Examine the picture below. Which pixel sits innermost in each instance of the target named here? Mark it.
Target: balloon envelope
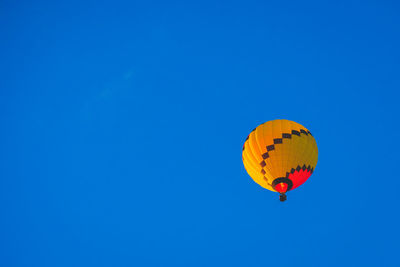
(280, 155)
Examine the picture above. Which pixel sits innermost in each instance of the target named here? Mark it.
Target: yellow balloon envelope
(280, 155)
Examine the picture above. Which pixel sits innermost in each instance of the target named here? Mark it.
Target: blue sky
(123, 124)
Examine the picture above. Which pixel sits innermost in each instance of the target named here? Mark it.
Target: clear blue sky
(123, 124)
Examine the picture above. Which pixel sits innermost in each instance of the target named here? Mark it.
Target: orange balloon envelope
(280, 155)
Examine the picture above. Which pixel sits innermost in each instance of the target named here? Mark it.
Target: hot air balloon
(280, 155)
